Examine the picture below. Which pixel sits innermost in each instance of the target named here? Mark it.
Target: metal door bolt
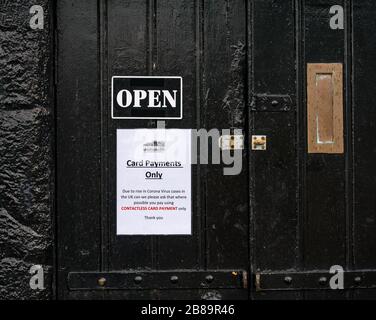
(102, 282)
(231, 142)
(259, 143)
(174, 279)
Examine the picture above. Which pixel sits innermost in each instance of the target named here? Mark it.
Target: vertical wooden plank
(128, 48)
(78, 140)
(325, 212)
(224, 92)
(364, 78)
(273, 172)
(349, 136)
(176, 55)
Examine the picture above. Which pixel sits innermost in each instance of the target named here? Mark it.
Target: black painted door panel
(101, 39)
(311, 211)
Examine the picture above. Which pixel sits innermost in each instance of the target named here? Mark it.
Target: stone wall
(26, 150)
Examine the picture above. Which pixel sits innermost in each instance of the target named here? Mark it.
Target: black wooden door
(312, 209)
(205, 44)
(272, 231)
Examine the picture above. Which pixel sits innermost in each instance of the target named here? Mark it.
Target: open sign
(147, 97)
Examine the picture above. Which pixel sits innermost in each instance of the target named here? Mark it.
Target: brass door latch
(231, 142)
(259, 143)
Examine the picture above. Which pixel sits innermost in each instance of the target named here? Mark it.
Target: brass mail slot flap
(325, 107)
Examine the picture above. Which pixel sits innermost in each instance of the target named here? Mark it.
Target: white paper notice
(153, 181)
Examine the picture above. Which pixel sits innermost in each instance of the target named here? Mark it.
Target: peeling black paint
(234, 100)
